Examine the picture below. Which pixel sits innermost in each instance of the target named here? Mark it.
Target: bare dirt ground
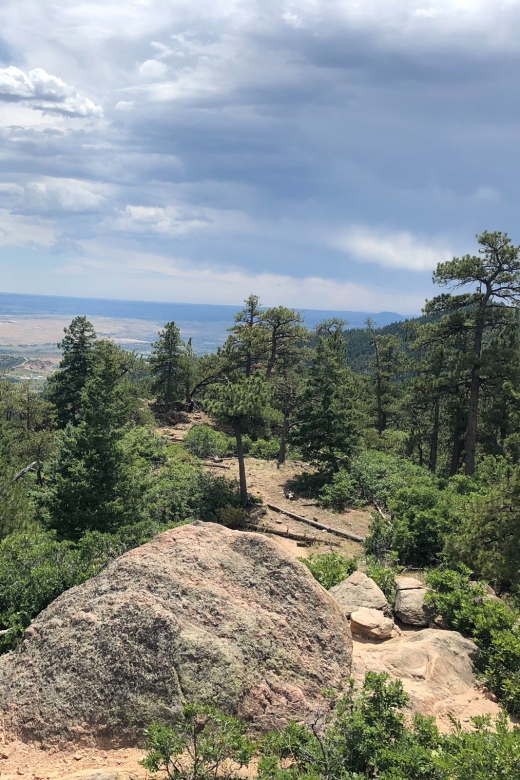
(272, 486)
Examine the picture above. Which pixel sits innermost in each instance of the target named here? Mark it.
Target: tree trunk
(434, 440)
(241, 463)
(272, 357)
(456, 455)
(381, 422)
(474, 392)
(283, 441)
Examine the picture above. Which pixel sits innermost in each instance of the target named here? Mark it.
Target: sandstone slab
(202, 614)
(435, 667)
(357, 591)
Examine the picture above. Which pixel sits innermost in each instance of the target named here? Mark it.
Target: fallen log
(316, 524)
(31, 467)
(288, 534)
(217, 465)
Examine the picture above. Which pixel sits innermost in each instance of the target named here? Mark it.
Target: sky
(323, 154)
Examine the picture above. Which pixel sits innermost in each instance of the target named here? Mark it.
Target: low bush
(330, 568)
(204, 744)
(265, 449)
(205, 442)
(366, 737)
(183, 492)
(384, 577)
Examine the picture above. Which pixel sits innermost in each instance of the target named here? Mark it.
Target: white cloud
(152, 69)
(124, 105)
(41, 90)
(49, 196)
(426, 13)
(393, 250)
(145, 219)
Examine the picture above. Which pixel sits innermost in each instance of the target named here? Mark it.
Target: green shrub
(384, 577)
(330, 568)
(341, 493)
(204, 744)
(265, 449)
(368, 737)
(183, 492)
(231, 516)
(205, 442)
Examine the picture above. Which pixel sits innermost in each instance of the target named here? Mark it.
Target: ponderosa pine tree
(235, 403)
(284, 337)
(64, 388)
(385, 365)
(493, 277)
(167, 365)
(246, 344)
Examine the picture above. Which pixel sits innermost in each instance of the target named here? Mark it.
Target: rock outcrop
(201, 613)
(409, 602)
(436, 667)
(358, 591)
(372, 624)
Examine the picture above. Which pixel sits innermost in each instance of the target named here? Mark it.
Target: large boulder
(202, 614)
(357, 591)
(409, 604)
(372, 624)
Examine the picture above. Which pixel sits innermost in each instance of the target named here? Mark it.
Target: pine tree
(167, 367)
(494, 281)
(327, 429)
(284, 336)
(92, 483)
(64, 388)
(236, 403)
(247, 344)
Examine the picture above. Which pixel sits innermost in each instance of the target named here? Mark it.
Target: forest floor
(274, 486)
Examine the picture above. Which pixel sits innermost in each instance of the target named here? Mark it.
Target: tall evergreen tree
(385, 365)
(167, 365)
(236, 403)
(66, 385)
(327, 428)
(246, 344)
(92, 483)
(284, 337)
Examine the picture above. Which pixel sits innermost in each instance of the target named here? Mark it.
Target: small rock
(4, 754)
(78, 756)
(371, 623)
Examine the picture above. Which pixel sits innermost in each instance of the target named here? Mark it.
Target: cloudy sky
(321, 153)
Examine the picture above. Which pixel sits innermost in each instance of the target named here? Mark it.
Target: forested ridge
(420, 420)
